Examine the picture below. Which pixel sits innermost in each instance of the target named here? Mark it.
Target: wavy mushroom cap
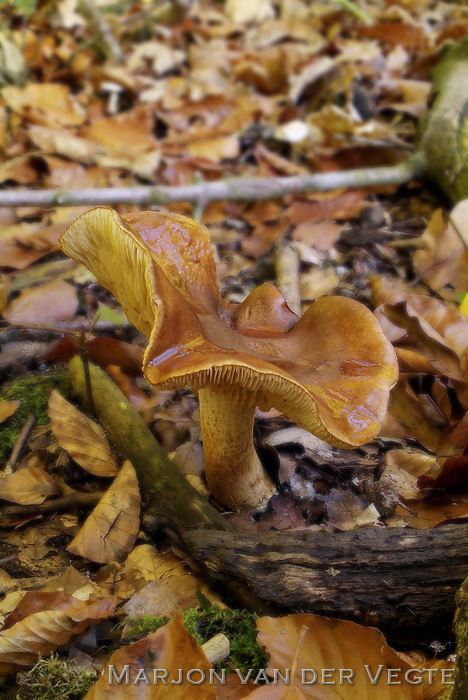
(330, 371)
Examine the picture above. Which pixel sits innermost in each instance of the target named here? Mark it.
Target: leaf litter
(295, 87)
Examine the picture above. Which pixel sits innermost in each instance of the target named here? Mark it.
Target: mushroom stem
(233, 470)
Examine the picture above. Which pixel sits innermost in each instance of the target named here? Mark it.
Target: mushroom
(330, 371)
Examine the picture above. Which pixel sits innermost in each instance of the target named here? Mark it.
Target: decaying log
(402, 580)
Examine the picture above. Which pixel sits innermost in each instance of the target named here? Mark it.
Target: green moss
(33, 393)
(239, 628)
(53, 679)
(237, 625)
(144, 625)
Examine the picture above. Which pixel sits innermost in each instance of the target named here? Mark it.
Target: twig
(229, 189)
(76, 499)
(21, 441)
(109, 43)
(287, 273)
(355, 10)
(83, 351)
(65, 328)
(8, 560)
(217, 648)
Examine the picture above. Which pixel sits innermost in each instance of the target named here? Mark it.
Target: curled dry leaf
(7, 409)
(48, 104)
(241, 11)
(172, 587)
(331, 644)
(109, 533)
(73, 582)
(102, 352)
(442, 261)
(82, 438)
(42, 622)
(28, 486)
(170, 649)
(47, 303)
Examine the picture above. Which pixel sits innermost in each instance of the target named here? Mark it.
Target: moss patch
(53, 679)
(33, 393)
(237, 625)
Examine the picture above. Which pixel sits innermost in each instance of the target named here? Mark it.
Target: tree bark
(403, 581)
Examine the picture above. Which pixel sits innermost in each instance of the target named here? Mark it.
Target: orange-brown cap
(330, 371)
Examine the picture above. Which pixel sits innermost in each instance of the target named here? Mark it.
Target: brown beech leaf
(452, 456)
(28, 486)
(48, 104)
(47, 303)
(442, 261)
(109, 533)
(101, 351)
(170, 649)
(234, 687)
(318, 643)
(405, 408)
(437, 689)
(7, 409)
(83, 439)
(172, 587)
(42, 622)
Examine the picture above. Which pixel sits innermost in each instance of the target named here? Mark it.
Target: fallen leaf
(49, 104)
(48, 303)
(42, 622)
(176, 652)
(102, 351)
(28, 486)
(83, 439)
(326, 647)
(172, 587)
(109, 533)
(7, 409)
(442, 259)
(245, 11)
(317, 282)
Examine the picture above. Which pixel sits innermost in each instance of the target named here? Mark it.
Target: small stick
(109, 43)
(12, 557)
(217, 648)
(23, 437)
(234, 189)
(76, 499)
(287, 274)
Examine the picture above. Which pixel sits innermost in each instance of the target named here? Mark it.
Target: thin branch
(229, 189)
(76, 499)
(23, 437)
(109, 43)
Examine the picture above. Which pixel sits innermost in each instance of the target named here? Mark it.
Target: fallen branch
(402, 580)
(107, 40)
(69, 501)
(229, 189)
